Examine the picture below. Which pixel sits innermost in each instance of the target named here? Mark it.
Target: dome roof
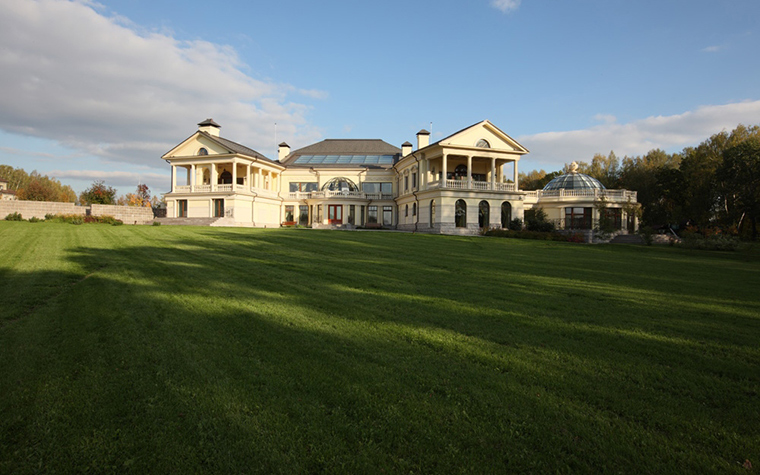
(574, 181)
(340, 184)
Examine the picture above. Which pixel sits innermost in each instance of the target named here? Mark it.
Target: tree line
(36, 187)
(715, 185)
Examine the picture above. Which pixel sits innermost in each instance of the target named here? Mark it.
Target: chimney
(283, 151)
(423, 139)
(406, 149)
(210, 127)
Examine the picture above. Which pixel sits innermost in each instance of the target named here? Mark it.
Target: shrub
(715, 242)
(536, 235)
(50, 216)
(516, 224)
(156, 223)
(647, 233)
(35, 219)
(535, 220)
(14, 217)
(117, 222)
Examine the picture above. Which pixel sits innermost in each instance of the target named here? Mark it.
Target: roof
(573, 181)
(209, 122)
(235, 147)
(336, 152)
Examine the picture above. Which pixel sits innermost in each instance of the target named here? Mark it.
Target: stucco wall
(38, 209)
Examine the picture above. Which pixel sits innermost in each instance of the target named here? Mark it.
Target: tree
(38, 190)
(98, 193)
(739, 175)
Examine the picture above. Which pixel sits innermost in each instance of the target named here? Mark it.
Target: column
(423, 174)
(234, 175)
(174, 178)
(493, 173)
(248, 177)
(260, 177)
(469, 171)
(213, 180)
(192, 177)
(517, 187)
(444, 171)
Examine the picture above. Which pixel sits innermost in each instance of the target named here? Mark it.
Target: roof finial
(574, 167)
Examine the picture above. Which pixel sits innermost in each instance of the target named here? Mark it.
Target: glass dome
(340, 184)
(574, 181)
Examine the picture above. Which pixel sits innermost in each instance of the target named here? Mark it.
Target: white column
(517, 186)
(234, 175)
(493, 173)
(174, 178)
(213, 181)
(445, 170)
(248, 176)
(469, 171)
(260, 183)
(423, 175)
(192, 177)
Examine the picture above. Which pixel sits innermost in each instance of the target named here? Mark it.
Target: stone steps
(186, 221)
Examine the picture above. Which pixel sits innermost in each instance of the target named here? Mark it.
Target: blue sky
(102, 90)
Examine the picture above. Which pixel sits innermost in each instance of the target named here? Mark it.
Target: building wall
(38, 209)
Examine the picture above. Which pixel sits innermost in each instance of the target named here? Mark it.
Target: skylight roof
(344, 160)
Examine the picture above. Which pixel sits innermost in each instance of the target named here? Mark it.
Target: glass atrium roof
(574, 181)
(344, 160)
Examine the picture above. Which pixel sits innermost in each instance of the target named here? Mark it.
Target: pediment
(483, 135)
(192, 145)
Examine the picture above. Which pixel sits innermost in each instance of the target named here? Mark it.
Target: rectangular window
(303, 186)
(414, 180)
(615, 216)
(352, 214)
(371, 214)
(303, 217)
(289, 210)
(385, 188)
(387, 215)
(406, 183)
(577, 218)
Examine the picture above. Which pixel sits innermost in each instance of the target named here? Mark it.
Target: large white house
(457, 185)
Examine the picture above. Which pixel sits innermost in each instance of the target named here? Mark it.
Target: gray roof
(574, 181)
(235, 147)
(209, 122)
(343, 147)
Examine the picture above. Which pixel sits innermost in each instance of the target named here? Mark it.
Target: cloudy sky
(101, 90)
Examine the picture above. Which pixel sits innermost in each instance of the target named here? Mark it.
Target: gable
(473, 135)
(191, 146)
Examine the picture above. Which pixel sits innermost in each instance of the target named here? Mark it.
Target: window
(483, 143)
(484, 214)
(414, 209)
(303, 215)
(460, 173)
(371, 214)
(615, 217)
(386, 188)
(387, 215)
(202, 151)
(577, 218)
(432, 212)
(460, 214)
(302, 186)
(406, 212)
(289, 210)
(406, 182)
(225, 178)
(414, 180)
(352, 214)
(506, 214)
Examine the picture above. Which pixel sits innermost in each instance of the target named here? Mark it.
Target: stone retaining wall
(38, 209)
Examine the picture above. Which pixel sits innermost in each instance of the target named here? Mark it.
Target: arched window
(506, 214)
(225, 178)
(432, 212)
(206, 176)
(460, 172)
(460, 214)
(484, 214)
(483, 143)
(202, 151)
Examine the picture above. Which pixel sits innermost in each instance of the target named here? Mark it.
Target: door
(335, 214)
(182, 208)
(218, 208)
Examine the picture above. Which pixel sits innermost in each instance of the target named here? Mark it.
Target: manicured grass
(198, 350)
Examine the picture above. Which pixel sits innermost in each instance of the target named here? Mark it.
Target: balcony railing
(222, 188)
(308, 195)
(475, 185)
(612, 195)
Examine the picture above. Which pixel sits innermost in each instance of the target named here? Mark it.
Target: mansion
(458, 185)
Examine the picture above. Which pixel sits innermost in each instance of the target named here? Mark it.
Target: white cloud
(125, 181)
(103, 86)
(506, 6)
(711, 49)
(551, 150)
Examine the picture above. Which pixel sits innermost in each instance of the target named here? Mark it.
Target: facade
(457, 185)
(5, 193)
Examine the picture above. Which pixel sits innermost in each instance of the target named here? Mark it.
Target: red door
(335, 214)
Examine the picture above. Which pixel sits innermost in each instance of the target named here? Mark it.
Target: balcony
(615, 196)
(356, 195)
(474, 185)
(223, 188)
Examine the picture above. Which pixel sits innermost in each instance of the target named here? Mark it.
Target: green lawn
(172, 349)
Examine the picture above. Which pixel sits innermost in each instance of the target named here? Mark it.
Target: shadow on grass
(231, 351)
